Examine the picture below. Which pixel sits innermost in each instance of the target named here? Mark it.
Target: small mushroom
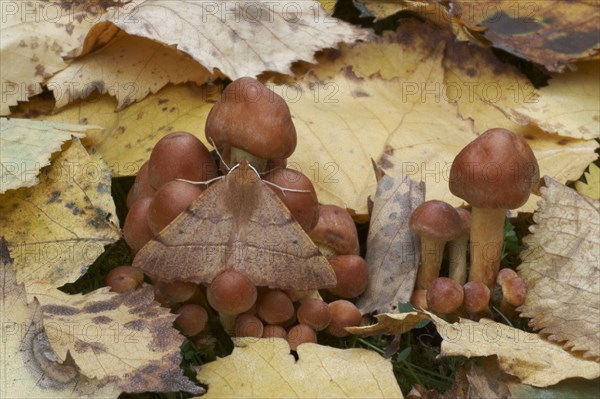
(231, 293)
(170, 200)
(418, 299)
(457, 249)
(476, 298)
(253, 122)
(302, 202)
(170, 293)
(141, 186)
(179, 155)
(436, 222)
(514, 292)
(444, 296)
(343, 314)
(247, 325)
(495, 172)
(314, 313)
(124, 278)
(274, 307)
(191, 319)
(136, 230)
(352, 273)
(335, 232)
(272, 331)
(300, 334)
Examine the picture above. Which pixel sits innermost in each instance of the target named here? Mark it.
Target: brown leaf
(542, 31)
(237, 223)
(391, 324)
(125, 338)
(392, 249)
(562, 270)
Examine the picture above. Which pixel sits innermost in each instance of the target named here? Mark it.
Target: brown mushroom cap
(231, 292)
(274, 307)
(476, 296)
(300, 334)
(436, 220)
(505, 274)
(336, 229)
(497, 170)
(352, 273)
(444, 296)
(253, 118)
(247, 325)
(514, 291)
(343, 314)
(418, 299)
(124, 278)
(168, 293)
(141, 186)
(192, 319)
(170, 200)
(314, 313)
(272, 331)
(136, 230)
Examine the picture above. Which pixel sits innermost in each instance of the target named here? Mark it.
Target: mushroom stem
(457, 259)
(238, 154)
(228, 322)
(487, 237)
(432, 252)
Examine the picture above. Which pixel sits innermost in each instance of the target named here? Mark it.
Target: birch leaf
(563, 257)
(320, 372)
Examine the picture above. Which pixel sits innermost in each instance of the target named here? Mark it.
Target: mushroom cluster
(250, 123)
(494, 173)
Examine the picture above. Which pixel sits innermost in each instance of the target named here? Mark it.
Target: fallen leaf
(320, 372)
(328, 5)
(59, 227)
(126, 338)
(562, 269)
(36, 35)
(128, 68)
(26, 147)
(569, 105)
(392, 249)
(391, 324)
(572, 388)
(29, 366)
(591, 187)
(238, 38)
(129, 135)
(381, 9)
(524, 355)
(237, 223)
(541, 31)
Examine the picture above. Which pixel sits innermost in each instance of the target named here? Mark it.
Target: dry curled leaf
(125, 338)
(26, 147)
(391, 324)
(29, 366)
(128, 68)
(543, 31)
(319, 372)
(59, 227)
(562, 269)
(238, 38)
(36, 35)
(392, 249)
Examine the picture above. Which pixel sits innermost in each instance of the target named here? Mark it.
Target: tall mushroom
(493, 173)
(252, 122)
(436, 222)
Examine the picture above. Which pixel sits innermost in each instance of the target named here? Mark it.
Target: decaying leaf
(320, 372)
(130, 135)
(524, 355)
(238, 38)
(36, 35)
(29, 368)
(59, 227)
(125, 338)
(591, 187)
(26, 147)
(392, 249)
(381, 9)
(562, 269)
(569, 105)
(542, 31)
(391, 324)
(237, 223)
(128, 68)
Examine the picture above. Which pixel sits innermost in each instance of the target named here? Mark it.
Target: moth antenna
(212, 142)
(270, 170)
(284, 189)
(206, 183)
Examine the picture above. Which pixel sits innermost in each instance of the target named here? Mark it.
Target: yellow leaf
(29, 367)
(260, 36)
(591, 187)
(381, 9)
(391, 324)
(264, 368)
(526, 356)
(36, 35)
(128, 338)
(542, 31)
(130, 134)
(128, 68)
(569, 105)
(328, 5)
(59, 227)
(562, 269)
(26, 146)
